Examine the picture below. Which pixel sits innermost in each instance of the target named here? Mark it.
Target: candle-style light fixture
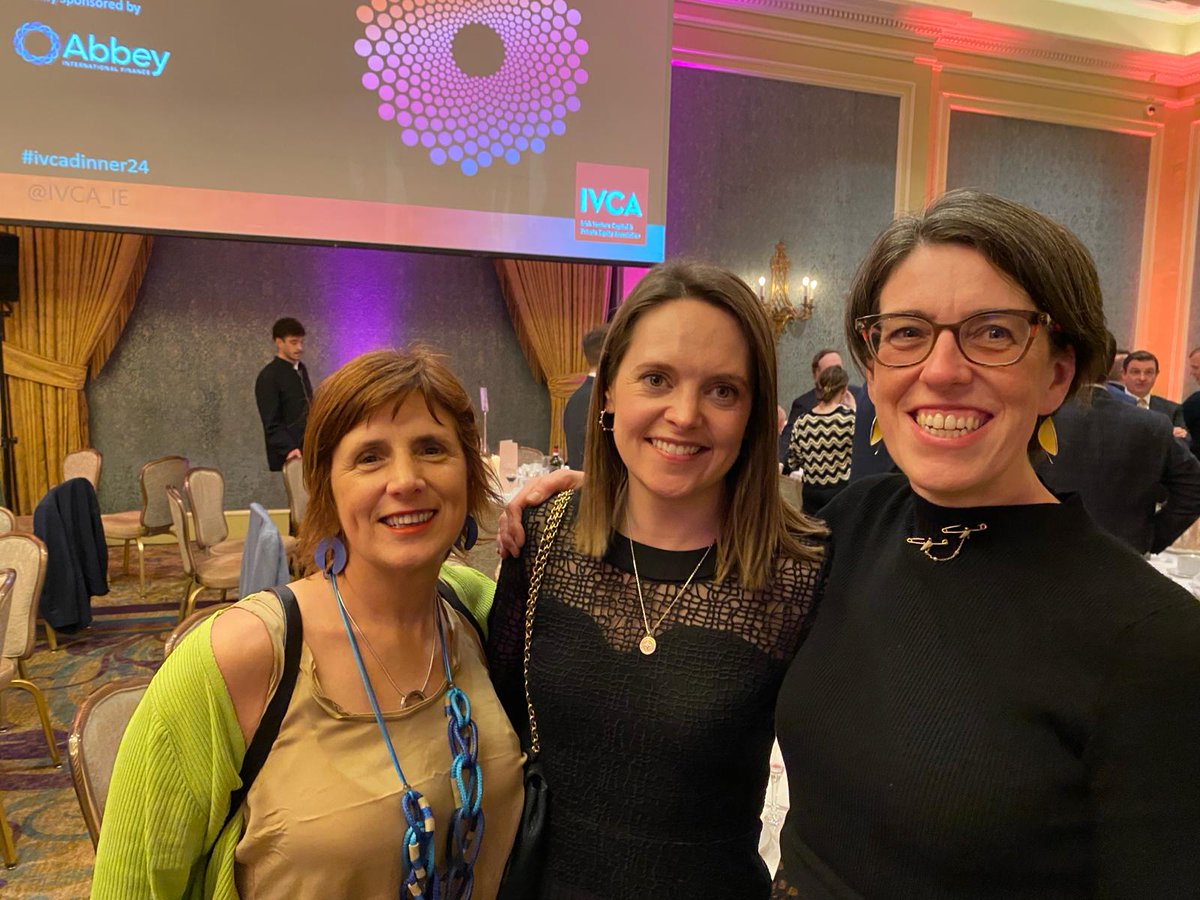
(779, 306)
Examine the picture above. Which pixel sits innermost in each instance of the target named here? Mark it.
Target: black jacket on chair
(67, 520)
(1123, 462)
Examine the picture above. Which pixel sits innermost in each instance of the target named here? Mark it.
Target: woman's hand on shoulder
(510, 534)
(242, 648)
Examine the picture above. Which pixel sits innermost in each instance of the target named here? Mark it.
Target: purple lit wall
(182, 377)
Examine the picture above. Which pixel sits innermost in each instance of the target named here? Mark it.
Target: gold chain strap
(557, 508)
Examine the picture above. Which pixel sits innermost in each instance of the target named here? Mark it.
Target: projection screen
(515, 127)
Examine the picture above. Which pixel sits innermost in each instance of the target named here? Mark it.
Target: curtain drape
(553, 305)
(77, 291)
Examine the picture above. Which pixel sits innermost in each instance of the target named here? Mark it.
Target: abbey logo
(610, 203)
(40, 45)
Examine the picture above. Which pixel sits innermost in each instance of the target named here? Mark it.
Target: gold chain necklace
(962, 532)
(648, 644)
(406, 697)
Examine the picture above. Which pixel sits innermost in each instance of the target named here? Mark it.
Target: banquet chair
(204, 497)
(92, 744)
(293, 483)
(216, 571)
(184, 628)
(26, 555)
(83, 463)
(8, 521)
(153, 518)
(7, 578)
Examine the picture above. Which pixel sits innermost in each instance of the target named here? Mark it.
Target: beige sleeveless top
(323, 817)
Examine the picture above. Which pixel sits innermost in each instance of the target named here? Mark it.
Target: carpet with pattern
(126, 638)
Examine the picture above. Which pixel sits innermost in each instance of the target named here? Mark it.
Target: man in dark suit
(824, 358)
(1123, 463)
(1141, 371)
(575, 417)
(283, 393)
(1190, 407)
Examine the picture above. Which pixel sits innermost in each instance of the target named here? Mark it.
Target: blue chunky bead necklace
(421, 880)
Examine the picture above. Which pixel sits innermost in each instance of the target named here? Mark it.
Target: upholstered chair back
(8, 579)
(26, 555)
(92, 745)
(83, 463)
(156, 476)
(204, 491)
(293, 483)
(179, 526)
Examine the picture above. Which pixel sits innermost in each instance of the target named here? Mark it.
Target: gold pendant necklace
(648, 644)
(962, 532)
(406, 697)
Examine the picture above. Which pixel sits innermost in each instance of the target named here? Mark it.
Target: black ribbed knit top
(1021, 721)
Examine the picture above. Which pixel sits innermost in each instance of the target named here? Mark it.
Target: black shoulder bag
(272, 717)
(523, 877)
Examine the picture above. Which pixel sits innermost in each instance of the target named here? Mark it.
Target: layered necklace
(421, 879)
(649, 644)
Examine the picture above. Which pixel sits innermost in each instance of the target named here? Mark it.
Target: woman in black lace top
(678, 588)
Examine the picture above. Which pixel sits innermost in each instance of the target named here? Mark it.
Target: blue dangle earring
(330, 557)
(469, 534)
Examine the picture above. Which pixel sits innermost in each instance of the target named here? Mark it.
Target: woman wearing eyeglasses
(997, 698)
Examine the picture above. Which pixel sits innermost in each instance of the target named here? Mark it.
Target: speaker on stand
(10, 291)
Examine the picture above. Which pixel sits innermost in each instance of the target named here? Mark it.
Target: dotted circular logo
(38, 59)
(474, 81)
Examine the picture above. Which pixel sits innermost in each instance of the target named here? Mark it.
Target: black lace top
(657, 765)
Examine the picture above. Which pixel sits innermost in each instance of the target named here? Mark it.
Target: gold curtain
(553, 305)
(77, 291)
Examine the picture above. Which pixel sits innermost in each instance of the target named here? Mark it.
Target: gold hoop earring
(1047, 436)
(876, 434)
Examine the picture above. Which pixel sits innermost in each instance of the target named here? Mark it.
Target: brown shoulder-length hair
(1031, 250)
(757, 523)
(377, 381)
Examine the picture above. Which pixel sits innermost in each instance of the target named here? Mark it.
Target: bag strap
(447, 593)
(553, 520)
(272, 717)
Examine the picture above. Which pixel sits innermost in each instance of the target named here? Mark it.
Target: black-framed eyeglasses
(996, 337)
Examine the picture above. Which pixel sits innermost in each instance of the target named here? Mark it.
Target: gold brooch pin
(962, 532)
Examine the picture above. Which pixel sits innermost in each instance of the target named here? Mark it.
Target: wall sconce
(779, 306)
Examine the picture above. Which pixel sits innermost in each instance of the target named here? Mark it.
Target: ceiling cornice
(960, 32)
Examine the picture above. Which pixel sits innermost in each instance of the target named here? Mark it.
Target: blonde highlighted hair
(757, 524)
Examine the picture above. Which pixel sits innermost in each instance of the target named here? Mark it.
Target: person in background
(869, 455)
(1190, 407)
(283, 393)
(575, 416)
(822, 359)
(679, 586)
(997, 698)
(1115, 383)
(822, 440)
(1135, 479)
(1141, 371)
(394, 473)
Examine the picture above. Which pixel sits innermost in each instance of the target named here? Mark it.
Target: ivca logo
(615, 203)
(40, 45)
